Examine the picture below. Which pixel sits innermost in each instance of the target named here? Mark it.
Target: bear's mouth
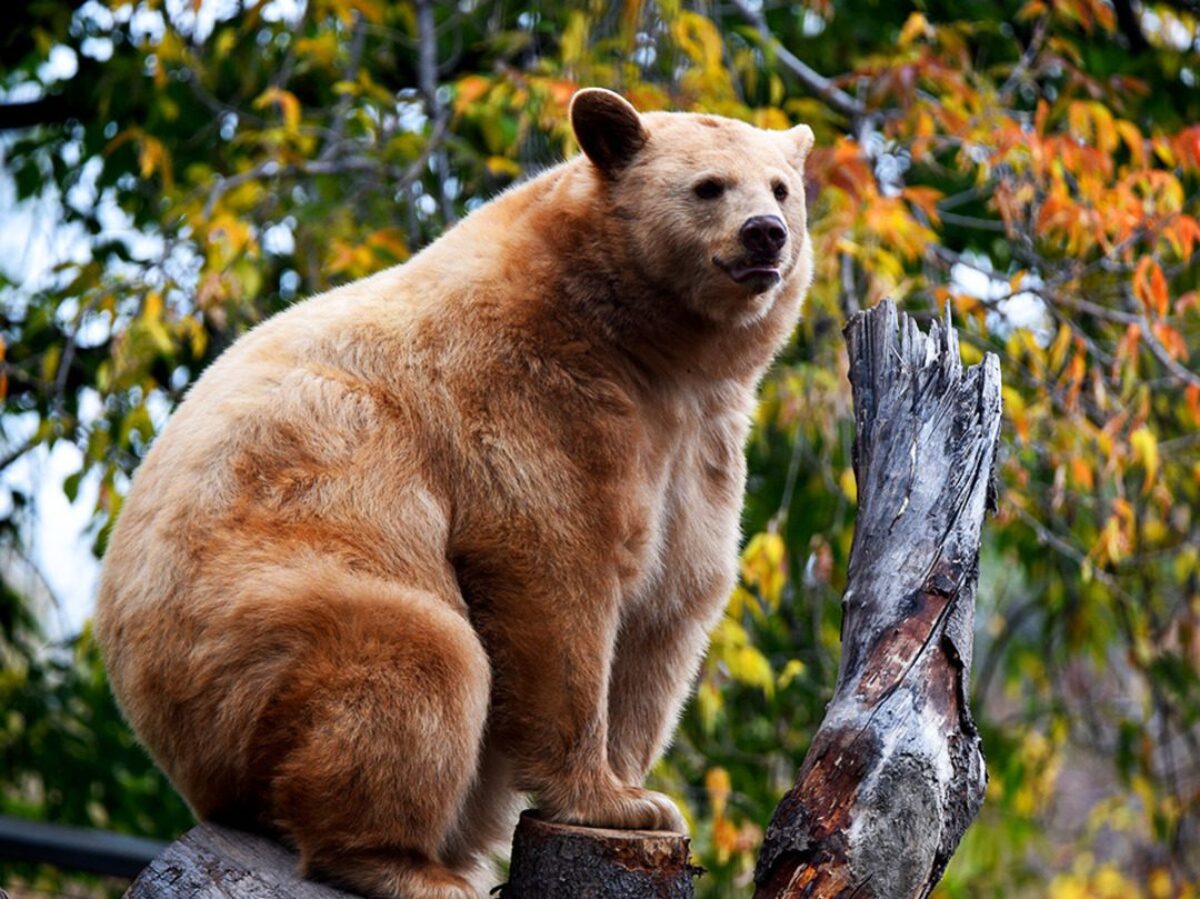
(758, 275)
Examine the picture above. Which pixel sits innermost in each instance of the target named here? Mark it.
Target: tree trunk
(559, 861)
(895, 773)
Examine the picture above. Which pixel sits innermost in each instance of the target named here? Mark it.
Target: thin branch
(1032, 49)
(342, 108)
(269, 168)
(18, 451)
(1169, 362)
(427, 69)
(1127, 19)
(970, 221)
(833, 96)
(51, 110)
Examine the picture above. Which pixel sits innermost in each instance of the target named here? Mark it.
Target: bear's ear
(608, 129)
(800, 142)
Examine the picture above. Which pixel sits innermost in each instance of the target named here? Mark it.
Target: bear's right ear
(608, 129)
(801, 140)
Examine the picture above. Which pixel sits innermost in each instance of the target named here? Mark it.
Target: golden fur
(458, 531)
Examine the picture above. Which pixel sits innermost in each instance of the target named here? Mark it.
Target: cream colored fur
(459, 531)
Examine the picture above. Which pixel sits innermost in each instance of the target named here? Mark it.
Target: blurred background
(173, 171)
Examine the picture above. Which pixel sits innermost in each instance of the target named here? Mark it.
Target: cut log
(895, 773)
(559, 861)
(210, 862)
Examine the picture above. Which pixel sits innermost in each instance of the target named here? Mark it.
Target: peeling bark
(559, 861)
(895, 773)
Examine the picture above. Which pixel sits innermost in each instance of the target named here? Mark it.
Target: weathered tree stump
(895, 773)
(559, 861)
(210, 862)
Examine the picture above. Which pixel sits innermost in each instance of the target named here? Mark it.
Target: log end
(563, 861)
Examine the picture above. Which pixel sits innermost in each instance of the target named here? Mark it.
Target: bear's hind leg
(377, 739)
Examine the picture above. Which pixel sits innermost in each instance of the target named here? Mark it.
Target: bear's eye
(780, 190)
(709, 189)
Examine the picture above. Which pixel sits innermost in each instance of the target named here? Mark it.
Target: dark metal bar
(76, 848)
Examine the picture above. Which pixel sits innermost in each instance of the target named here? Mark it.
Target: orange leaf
(1150, 285)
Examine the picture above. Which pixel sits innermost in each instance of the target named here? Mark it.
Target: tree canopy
(1033, 165)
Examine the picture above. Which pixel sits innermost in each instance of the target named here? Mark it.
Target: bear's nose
(764, 235)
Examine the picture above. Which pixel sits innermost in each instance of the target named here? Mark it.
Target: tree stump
(560, 861)
(895, 773)
(550, 861)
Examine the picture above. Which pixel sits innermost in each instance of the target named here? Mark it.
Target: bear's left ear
(608, 129)
(800, 140)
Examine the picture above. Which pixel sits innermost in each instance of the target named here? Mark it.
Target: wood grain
(895, 773)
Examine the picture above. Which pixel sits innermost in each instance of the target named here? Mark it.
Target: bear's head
(711, 210)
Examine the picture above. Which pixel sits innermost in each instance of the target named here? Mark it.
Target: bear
(455, 534)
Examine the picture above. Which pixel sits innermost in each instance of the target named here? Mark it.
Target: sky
(31, 243)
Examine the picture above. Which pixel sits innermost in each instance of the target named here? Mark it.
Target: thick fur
(458, 531)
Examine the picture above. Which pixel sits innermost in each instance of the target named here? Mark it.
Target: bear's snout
(764, 236)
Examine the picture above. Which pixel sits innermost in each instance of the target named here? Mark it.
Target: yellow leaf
(751, 667)
(708, 704)
(288, 105)
(1159, 884)
(1058, 349)
(719, 786)
(916, 25)
(792, 670)
(573, 44)
(1133, 140)
(848, 484)
(153, 307)
(1145, 453)
(763, 565)
(502, 165)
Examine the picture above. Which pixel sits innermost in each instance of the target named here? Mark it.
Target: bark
(210, 862)
(895, 773)
(559, 861)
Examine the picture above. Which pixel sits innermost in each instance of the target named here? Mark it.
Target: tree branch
(816, 83)
(427, 71)
(50, 110)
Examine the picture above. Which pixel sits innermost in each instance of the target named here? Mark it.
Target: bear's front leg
(552, 663)
(653, 671)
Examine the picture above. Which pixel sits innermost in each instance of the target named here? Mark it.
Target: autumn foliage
(1035, 166)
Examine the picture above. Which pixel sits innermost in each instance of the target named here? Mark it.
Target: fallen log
(895, 773)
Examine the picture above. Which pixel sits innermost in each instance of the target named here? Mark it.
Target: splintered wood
(895, 773)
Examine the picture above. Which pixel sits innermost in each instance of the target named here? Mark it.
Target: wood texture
(895, 773)
(210, 862)
(558, 861)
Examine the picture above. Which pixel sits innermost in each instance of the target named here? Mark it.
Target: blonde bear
(455, 534)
